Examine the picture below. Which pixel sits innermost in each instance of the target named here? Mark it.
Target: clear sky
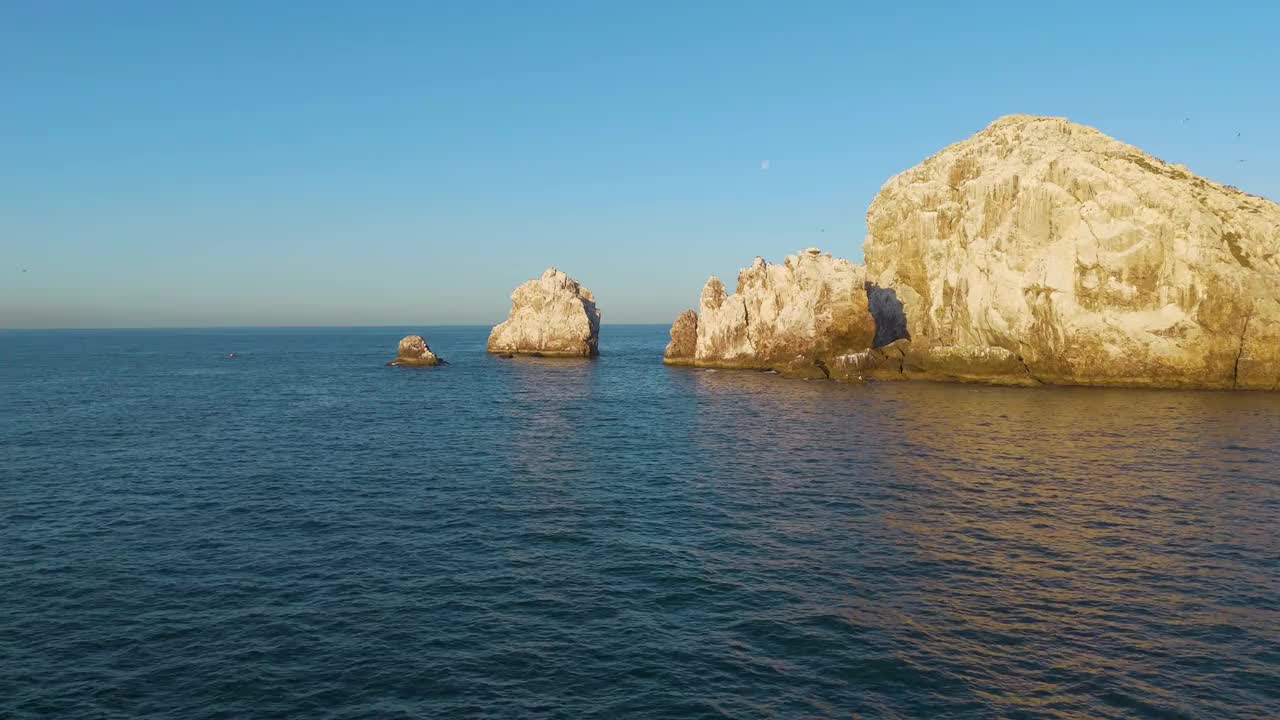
(278, 163)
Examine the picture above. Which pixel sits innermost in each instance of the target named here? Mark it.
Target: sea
(303, 532)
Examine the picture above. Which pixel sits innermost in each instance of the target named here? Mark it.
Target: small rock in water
(414, 351)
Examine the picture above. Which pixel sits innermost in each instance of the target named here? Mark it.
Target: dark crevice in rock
(888, 313)
(1027, 369)
(1235, 373)
(1233, 244)
(823, 367)
(746, 325)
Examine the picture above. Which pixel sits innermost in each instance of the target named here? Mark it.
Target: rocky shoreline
(1038, 251)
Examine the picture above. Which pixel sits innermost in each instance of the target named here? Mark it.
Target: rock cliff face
(552, 316)
(1043, 251)
(413, 350)
(792, 317)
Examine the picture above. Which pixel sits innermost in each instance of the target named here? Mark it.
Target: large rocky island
(551, 316)
(1037, 251)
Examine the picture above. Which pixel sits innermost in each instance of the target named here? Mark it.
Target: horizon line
(288, 327)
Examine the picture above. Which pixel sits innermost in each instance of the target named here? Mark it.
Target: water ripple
(305, 533)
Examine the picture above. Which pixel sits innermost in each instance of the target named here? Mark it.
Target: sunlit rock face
(553, 316)
(1040, 250)
(684, 339)
(791, 317)
(413, 350)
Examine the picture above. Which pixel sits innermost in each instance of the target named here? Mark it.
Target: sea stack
(684, 340)
(551, 316)
(1043, 251)
(413, 350)
(792, 317)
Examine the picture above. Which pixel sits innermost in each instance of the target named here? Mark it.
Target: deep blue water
(306, 533)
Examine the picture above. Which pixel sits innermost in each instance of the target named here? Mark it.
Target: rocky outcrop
(413, 350)
(684, 339)
(1043, 251)
(551, 316)
(1037, 251)
(791, 318)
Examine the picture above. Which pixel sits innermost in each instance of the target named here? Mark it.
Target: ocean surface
(304, 533)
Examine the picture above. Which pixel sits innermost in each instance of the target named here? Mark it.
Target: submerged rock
(1043, 251)
(789, 317)
(551, 316)
(413, 350)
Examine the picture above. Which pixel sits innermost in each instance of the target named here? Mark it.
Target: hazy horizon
(238, 165)
(395, 326)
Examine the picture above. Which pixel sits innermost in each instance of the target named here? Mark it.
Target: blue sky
(189, 164)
